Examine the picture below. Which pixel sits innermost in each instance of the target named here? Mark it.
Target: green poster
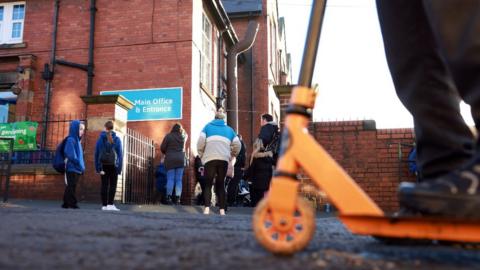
(23, 133)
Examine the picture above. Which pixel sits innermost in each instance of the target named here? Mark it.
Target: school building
(168, 60)
(147, 64)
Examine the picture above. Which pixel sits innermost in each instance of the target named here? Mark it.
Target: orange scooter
(283, 223)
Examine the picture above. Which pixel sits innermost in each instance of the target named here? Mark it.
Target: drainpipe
(89, 68)
(47, 75)
(252, 96)
(232, 80)
(93, 10)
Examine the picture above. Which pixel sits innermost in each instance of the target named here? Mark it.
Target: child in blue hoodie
(75, 165)
(108, 163)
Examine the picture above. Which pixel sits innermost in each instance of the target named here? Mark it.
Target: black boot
(169, 200)
(175, 200)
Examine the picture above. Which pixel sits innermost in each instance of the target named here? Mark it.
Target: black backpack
(274, 146)
(108, 156)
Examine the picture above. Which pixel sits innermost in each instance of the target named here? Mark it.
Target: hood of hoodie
(74, 130)
(218, 122)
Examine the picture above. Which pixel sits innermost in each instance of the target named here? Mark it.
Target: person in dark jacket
(173, 146)
(259, 172)
(75, 165)
(268, 130)
(108, 168)
(238, 171)
(200, 176)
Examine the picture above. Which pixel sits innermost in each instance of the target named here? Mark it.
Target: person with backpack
(173, 147)
(270, 136)
(259, 172)
(74, 164)
(108, 163)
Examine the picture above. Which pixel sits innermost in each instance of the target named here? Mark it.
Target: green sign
(23, 133)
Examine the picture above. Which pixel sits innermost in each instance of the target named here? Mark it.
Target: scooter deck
(410, 227)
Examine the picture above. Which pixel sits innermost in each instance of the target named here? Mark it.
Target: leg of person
(69, 199)
(170, 184)
(104, 191)
(222, 167)
(178, 183)
(457, 193)
(66, 193)
(232, 189)
(112, 189)
(75, 179)
(256, 195)
(210, 172)
(423, 84)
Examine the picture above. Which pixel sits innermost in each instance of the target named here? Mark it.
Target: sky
(351, 70)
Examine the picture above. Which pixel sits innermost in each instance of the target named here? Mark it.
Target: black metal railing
(57, 129)
(5, 169)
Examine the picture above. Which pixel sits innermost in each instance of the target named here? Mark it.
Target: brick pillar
(100, 109)
(283, 92)
(25, 80)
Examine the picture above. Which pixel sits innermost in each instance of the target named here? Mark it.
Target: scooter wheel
(283, 242)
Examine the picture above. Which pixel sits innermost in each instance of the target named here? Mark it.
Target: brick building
(49, 46)
(142, 45)
(265, 65)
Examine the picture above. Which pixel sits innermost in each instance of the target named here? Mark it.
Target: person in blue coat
(75, 165)
(108, 163)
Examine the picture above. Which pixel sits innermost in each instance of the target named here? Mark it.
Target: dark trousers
(69, 198)
(232, 189)
(215, 169)
(256, 195)
(433, 61)
(109, 184)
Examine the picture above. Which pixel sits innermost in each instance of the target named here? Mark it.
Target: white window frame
(6, 25)
(206, 60)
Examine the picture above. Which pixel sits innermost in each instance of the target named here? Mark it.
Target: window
(206, 55)
(12, 17)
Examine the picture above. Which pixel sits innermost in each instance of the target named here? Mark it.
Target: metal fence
(57, 128)
(5, 166)
(138, 174)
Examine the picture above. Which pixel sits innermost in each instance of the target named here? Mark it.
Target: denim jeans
(174, 178)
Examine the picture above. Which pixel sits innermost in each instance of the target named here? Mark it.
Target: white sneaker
(206, 211)
(112, 207)
(104, 208)
(243, 191)
(222, 212)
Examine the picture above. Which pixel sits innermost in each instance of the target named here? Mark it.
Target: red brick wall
(249, 115)
(38, 186)
(149, 48)
(138, 45)
(370, 156)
